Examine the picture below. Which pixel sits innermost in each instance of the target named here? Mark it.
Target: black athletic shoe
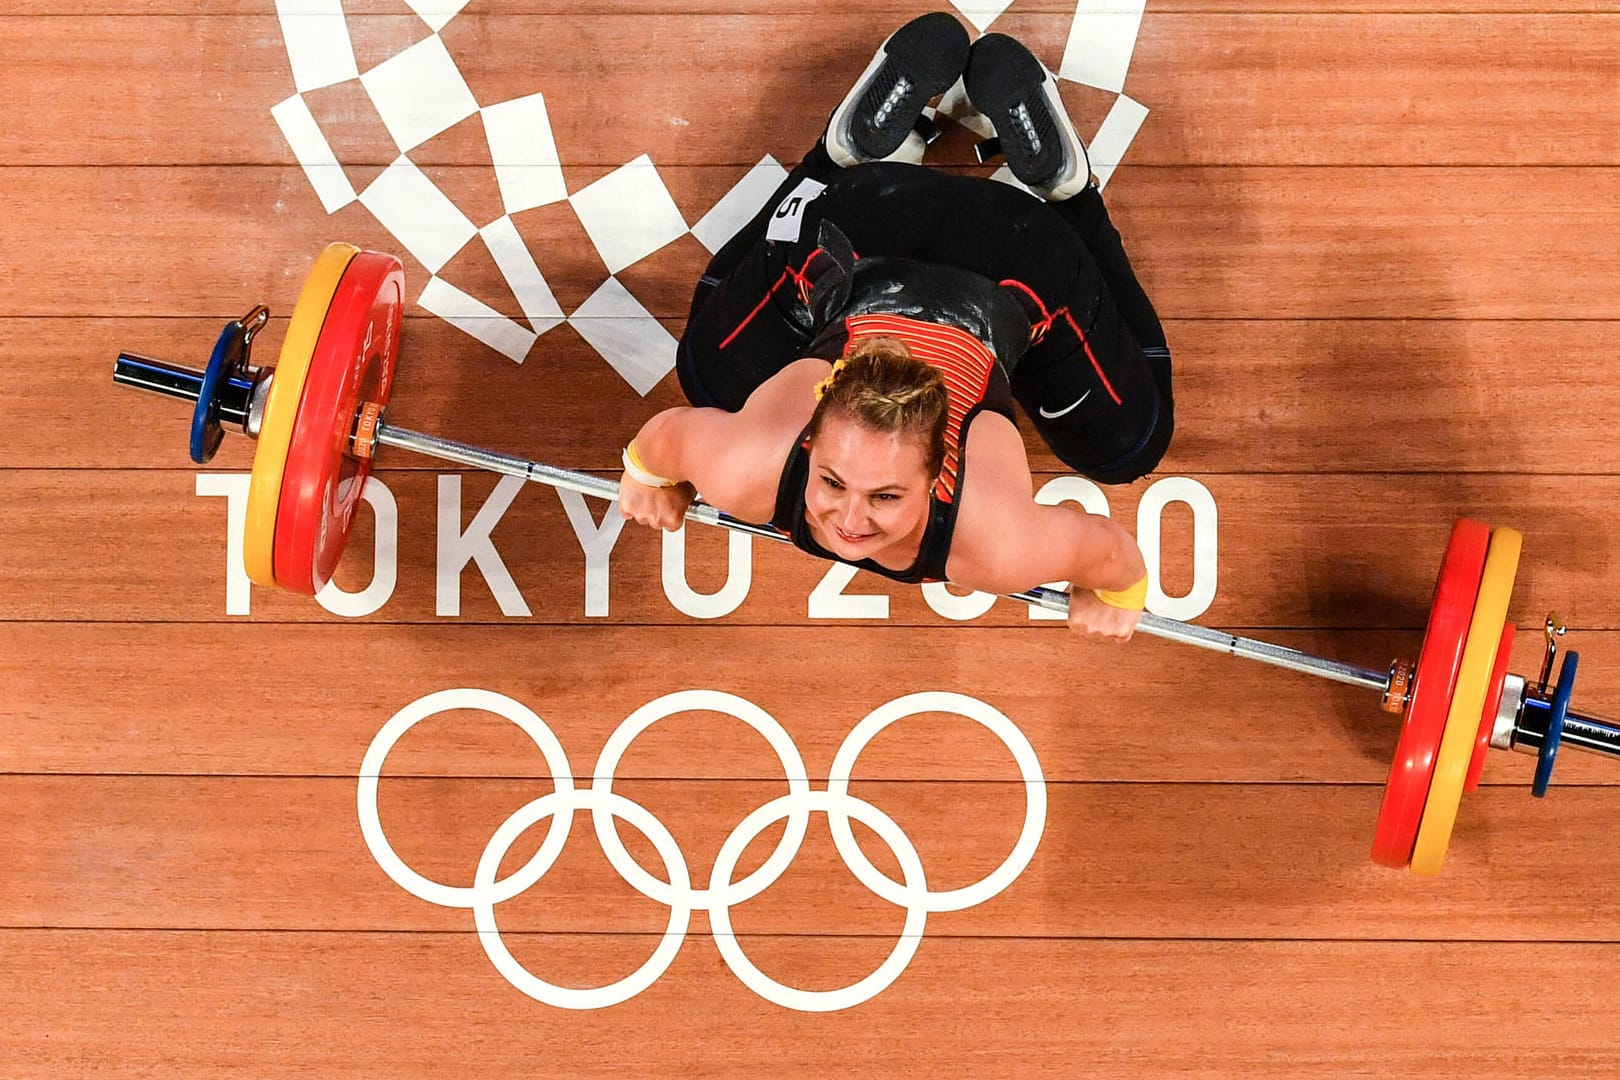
(878, 120)
(1020, 98)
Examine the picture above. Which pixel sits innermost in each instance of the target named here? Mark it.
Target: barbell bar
(173, 380)
(323, 409)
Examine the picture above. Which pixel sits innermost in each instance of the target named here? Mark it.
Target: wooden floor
(1383, 237)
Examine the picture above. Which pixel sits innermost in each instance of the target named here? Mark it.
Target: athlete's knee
(1128, 455)
(687, 373)
(1130, 470)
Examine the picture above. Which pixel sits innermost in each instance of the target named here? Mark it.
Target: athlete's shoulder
(788, 395)
(995, 495)
(745, 451)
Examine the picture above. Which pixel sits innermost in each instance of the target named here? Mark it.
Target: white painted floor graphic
(420, 92)
(674, 889)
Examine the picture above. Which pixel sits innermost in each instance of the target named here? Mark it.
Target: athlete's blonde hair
(880, 385)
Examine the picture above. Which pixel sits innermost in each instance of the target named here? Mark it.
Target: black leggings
(1096, 382)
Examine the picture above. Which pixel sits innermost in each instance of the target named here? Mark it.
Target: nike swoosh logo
(1060, 412)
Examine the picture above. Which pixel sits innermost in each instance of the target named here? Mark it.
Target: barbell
(318, 418)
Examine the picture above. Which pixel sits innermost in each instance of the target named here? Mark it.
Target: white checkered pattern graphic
(420, 92)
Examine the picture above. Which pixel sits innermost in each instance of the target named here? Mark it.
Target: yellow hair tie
(826, 384)
(1131, 599)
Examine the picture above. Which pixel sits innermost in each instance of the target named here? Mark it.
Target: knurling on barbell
(320, 415)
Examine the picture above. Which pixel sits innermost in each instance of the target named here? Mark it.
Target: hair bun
(879, 384)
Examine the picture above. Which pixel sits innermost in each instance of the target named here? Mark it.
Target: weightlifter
(861, 342)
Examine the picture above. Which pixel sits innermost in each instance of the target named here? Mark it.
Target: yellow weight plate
(281, 409)
(1462, 719)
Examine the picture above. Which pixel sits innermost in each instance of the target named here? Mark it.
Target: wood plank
(1224, 88)
(1217, 800)
(896, 10)
(265, 699)
(337, 1005)
(1114, 861)
(1252, 396)
(1299, 551)
(1208, 242)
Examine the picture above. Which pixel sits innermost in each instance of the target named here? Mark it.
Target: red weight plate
(1487, 719)
(1435, 681)
(353, 364)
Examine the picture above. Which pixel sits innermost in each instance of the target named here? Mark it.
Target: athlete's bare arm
(1007, 542)
(733, 459)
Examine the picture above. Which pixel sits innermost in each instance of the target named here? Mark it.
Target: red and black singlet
(949, 323)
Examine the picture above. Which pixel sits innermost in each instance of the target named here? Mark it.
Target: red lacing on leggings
(788, 274)
(1038, 331)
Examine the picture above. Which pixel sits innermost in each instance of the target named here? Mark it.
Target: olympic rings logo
(676, 891)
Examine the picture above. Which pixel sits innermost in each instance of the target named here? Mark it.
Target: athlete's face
(868, 490)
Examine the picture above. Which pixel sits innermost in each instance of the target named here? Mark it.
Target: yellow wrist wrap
(1131, 599)
(639, 472)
